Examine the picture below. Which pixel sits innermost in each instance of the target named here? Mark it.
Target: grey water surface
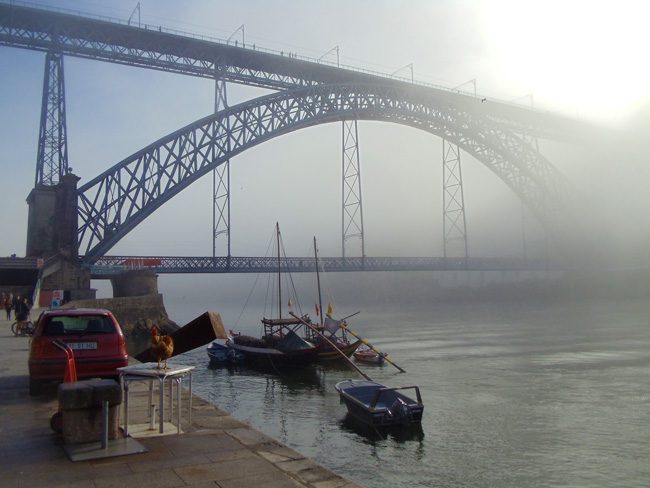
(516, 395)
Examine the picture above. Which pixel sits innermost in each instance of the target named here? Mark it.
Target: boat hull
(271, 357)
(327, 353)
(219, 354)
(376, 405)
(369, 357)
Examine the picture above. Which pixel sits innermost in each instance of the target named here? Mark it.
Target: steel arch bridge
(116, 201)
(501, 135)
(154, 47)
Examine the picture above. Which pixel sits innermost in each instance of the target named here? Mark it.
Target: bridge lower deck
(107, 266)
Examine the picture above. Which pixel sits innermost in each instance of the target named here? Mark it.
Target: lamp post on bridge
(409, 67)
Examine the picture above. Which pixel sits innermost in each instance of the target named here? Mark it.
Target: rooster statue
(162, 346)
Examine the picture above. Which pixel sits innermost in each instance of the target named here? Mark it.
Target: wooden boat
(338, 337)
(369, 356)
(328, 353)
(330, 328)
(220, 354)
(376, 405)
(280, 345)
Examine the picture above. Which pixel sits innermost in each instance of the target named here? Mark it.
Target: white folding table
(149, 372)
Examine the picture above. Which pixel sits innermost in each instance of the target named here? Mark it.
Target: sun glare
(583, 57)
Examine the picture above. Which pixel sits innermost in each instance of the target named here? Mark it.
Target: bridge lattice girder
(116, 201)
(177, 52)
(155, 48)
(107, 266)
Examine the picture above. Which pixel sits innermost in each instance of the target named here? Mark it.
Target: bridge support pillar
(135, 283)
(52, 220)
(221, 181)
(52, 235)
(64, 275)
(52, 157)
(453, 214)
(352, 208)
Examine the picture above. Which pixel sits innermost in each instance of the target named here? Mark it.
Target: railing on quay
(106, 266)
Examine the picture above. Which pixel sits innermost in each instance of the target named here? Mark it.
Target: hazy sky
(583, 58)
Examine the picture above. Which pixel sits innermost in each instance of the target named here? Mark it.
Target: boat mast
(320, 300)
(277, 230)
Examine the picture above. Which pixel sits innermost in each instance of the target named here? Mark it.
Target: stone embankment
(136, 315)
(215, 449)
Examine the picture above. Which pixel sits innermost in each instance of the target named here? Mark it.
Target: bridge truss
(113, 203)
(52, 157)
(154, 47)
(312, 93)
(107, 266)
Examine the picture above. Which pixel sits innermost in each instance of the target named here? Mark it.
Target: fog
(113, 111)
(609, 203)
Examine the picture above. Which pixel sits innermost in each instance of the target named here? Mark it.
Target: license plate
(82, 345)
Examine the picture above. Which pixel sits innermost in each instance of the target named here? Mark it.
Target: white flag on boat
(331, 325)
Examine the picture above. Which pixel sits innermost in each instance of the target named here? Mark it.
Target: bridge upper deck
(158, 48)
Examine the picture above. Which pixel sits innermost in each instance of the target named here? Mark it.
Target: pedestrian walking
(8, 305)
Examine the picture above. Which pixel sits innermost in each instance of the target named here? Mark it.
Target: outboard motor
(399, 411)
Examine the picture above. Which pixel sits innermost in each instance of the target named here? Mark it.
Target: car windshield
(79, 324)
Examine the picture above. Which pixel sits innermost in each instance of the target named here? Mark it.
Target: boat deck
(367, 394)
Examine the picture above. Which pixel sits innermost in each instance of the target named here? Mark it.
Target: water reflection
(296, 380)
(372, 434)
(512, 399)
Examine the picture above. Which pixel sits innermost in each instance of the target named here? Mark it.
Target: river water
(516, 394)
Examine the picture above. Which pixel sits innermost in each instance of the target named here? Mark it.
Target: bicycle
(23, 328)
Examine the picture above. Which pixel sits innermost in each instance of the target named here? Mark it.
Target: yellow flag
(329, 310)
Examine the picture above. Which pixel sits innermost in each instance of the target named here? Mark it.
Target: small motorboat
(220, 354)
(369, 356)
(379, 406)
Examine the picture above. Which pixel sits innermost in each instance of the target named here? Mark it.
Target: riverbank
(215, 450)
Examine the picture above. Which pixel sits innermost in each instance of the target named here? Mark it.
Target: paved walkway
(216, 451)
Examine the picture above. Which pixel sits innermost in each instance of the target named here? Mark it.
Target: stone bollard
(81, 404)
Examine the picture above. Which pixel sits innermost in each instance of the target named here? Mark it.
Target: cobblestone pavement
(216, 450)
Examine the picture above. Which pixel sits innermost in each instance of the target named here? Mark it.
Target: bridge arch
(117, 200)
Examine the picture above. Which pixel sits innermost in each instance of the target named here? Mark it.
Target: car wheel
(35, 387)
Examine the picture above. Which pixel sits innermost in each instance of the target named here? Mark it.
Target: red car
(93, 334)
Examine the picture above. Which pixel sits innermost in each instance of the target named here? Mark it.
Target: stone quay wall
(136, 315)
